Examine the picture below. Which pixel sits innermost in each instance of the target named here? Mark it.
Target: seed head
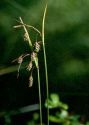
(29, 66)
(37, 47)
(33, 56)
(30, 81)
(26, 37)
(20, 59)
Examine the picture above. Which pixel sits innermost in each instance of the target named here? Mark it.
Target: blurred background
(67, 48)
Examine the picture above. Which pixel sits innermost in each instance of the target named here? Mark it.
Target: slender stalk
(29, 26)
(36, 63)
(45, 61)
(29, 40)
(39, 95)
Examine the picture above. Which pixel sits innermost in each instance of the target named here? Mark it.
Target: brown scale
(29, 66)
(20, 60)
(33, 56)
(30, 80)
(37, 46)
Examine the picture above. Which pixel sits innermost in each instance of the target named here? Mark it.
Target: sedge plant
(35, 48)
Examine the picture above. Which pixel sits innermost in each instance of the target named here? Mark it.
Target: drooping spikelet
(33, 56)
(30, 80)
(29, 66)
(37, 46)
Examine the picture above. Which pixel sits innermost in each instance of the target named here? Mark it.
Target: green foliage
(54, 102)
(67, 35)
(67, 39)
(62, 115)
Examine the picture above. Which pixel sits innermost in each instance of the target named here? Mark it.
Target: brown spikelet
(30, 80)
(29, 66)
(20, 59)
(33, 56)
(26, 37)
(37, 46)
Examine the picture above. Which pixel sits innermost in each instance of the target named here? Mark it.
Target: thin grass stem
(29, 40)
(39, 95)
(45, 61)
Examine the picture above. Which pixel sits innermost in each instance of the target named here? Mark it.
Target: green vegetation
(62, 116)
(66, 36)
(35, 48)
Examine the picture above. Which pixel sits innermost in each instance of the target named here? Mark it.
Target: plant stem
(29, 26)
(29, 40)
(39, 95)
(45, 61)
(36, 63)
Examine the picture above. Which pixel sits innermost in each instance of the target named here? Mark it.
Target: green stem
(39, 95)
(29, 40)
(45, 61)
